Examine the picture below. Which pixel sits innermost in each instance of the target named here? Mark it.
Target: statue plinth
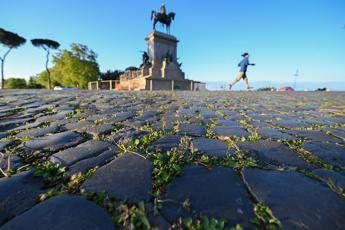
(159, 44)
(160, 69)
(162, 50)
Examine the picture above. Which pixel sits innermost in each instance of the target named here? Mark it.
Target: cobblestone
(232, 152)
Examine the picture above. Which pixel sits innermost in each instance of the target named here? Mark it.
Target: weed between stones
(241, 159)
(330, 183)
(62, 184)
(9, 151)
(202, 223)
(335, 188)
(296, 146)
(333, 109)
(220, 114)
(334, 135)
(168, 165)
(139, 113)
(140, 145)
(15, 149)
(50, 108)
(176, 127)
(50, 173)
(209, 128)
(100, 121)
(33, 158)
(254, 135)
(264, 217)
(128, 216)
(74, 113)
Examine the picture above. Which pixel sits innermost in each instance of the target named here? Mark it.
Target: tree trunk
(47, 61)
(2, 68)
(2, 73)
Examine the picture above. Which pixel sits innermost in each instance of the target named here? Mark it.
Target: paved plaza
(179, 160)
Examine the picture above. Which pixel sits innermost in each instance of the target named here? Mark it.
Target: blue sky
(281, 35)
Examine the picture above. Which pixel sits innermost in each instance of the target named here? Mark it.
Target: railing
(130, 74)
(103, 85)
(151, 85)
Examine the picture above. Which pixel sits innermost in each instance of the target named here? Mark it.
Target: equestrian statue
(163, 18)
(145, 60)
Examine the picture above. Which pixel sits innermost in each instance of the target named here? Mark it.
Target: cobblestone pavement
(183, 160)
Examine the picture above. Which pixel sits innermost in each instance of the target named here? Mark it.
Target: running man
(243, 72)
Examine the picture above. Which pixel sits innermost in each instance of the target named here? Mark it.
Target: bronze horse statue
(165, 19)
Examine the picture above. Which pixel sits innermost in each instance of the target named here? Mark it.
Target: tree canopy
(43, 79)
(45, 43)
(111, 75)
(15, 83)
(72, 68)
(33, 84)
(11, 40)
(131, 68)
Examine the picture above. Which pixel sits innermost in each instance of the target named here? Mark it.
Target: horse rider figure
(163, 17)
(163, 10)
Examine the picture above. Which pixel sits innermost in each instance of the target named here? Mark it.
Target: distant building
(285, 89)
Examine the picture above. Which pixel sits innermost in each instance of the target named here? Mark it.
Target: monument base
(152, 84)
(163, 72)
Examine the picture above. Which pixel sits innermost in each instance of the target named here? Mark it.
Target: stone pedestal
(164, 73)
(159, 46)
(171, 71)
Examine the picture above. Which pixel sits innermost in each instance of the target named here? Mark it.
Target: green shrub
(15, 83)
